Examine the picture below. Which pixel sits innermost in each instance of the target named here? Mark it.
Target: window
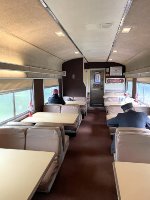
(147, 94)
(22, 101)
(13, 104)
(140, 92)
(48, 92)
(129, 88)
(143, 91)
(6, 106)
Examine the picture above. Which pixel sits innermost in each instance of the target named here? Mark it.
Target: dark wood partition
(38, 95)
(73, 81)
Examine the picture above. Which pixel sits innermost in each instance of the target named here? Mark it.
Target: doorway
(96, 87)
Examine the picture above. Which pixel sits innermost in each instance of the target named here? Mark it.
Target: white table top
(21, 172)
(132, 180)
(80, 103)
(62, 118)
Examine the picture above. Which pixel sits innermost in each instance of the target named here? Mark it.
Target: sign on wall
(116, 71)
(115, 80)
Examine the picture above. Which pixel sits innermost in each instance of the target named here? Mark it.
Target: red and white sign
(115, 80)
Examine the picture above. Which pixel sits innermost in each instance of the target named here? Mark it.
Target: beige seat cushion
(113, 94)
(46, 181)
(44, 139)
(132, 130)
(113, 110)
(12, 138)
(54, 125)
(66, 142)
(70, 109)
(143, 109)
(52, 108)
(133, 147)
(19, 124)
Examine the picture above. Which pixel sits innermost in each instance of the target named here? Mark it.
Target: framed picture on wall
(116, 71)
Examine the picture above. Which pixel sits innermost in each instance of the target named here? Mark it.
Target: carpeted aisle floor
(86, 173)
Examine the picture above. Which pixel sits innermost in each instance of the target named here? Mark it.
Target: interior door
(96, 87)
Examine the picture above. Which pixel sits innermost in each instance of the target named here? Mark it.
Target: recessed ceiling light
(60, 34)
(114, 51)
(76, 52)
(126, 30)
(110, 59)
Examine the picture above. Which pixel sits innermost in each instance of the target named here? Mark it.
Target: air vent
(106, 25)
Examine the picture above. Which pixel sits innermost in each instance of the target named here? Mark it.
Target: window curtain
(8, 85)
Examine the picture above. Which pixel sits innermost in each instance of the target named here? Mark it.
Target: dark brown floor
(86, 173)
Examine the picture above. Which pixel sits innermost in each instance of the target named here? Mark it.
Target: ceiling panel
(28, 32)
(134, 46)
(84, 21)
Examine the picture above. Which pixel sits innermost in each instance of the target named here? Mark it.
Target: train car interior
(95, 57)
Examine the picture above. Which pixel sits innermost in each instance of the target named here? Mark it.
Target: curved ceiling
(28, 32)
(92, 25)
(133, 49)
(27, 36)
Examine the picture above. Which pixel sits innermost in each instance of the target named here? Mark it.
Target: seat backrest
(80, 99)
(113, 94)
(24, 124)
(121, 130)
(12, 138)
(70, 109)
(143, 109)
(112, 109)
(44, 139)
(54, 125)
(55, 108)
(133, 147)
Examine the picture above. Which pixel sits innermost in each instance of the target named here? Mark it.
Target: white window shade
(50, 82)
(129, 79)
(144, 80)
(7, 85)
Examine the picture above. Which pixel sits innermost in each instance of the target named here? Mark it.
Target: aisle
(86, 173)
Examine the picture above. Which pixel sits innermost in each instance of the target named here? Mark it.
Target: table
(21, 172)
(62, 118)
(80, 103)
(132, 180)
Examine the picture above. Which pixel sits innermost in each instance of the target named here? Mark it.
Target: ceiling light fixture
(76, 52)
(43, 3)
(114, 51)
(110, 59)
(60, 34)
(126, 30)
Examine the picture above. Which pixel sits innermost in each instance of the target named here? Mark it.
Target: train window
(14, 104)
(22, 101)
(143, 91)
(129, 88)
(48, 91)
(6, 106)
